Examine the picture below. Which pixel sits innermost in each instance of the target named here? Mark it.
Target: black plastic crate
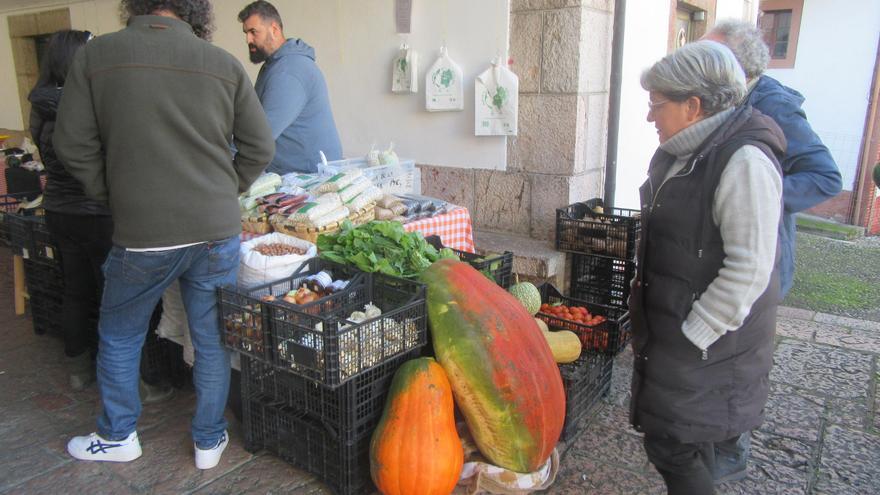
(43, 277)
(613, 233)
(585, 381)
(45, 245)
(307, 444)
(9, 205)
(498, 267)
(609, 336)
(46, 312)
(348, 411)
(600, 280)
(244, 326)
(162, 362)
(318, 340)
(19, 229)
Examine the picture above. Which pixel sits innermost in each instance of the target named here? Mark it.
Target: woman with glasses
(82, 227)
(704, 298)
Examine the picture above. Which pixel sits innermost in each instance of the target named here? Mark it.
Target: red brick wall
(874, 219)
(836, 208)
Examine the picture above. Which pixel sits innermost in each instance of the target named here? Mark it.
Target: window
(780, 21)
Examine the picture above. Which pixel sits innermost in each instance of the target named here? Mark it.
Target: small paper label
(403, 15)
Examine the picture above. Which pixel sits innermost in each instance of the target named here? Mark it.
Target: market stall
(340, 319)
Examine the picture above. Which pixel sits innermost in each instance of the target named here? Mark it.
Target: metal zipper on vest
(689, 170)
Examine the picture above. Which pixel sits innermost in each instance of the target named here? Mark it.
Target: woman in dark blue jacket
(82, 227)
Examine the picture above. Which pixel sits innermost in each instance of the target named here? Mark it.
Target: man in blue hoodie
(293, 92)
(809, 177)
(810, 174)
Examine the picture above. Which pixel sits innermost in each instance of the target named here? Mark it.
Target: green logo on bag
(443, 78)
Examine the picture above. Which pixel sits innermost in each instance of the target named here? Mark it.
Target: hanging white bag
(443, 85)
(496, 101)
(404, 73)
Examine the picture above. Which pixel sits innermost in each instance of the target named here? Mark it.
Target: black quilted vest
(677, 391)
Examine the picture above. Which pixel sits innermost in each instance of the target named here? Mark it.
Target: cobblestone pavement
(822, 434)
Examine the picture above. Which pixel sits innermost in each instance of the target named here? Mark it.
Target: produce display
(278, 249)
(381, 246)
(565, 345)
(587, 326)
(503, 374)
(528, 295)
(365, 340)
(576, 314)
(415, 449)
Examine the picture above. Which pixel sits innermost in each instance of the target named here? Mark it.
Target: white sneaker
(208, 458)
(95, 448)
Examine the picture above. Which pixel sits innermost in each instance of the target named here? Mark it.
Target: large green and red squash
(415, 449)
(502, 371)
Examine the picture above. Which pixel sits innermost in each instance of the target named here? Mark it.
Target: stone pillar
(561, 52)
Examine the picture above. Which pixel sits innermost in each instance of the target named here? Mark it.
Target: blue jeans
(134, 283)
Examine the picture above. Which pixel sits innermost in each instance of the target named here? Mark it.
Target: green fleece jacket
(146, 123)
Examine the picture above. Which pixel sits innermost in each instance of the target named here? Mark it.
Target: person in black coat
(82, 227)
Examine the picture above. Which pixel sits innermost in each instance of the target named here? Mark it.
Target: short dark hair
(263, 9)
(59, 54)
(197, 13)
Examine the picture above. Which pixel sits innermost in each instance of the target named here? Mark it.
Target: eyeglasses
(653, 105)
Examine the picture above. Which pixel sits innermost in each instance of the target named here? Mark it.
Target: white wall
(97, 16)
(836, 52)
(355, 41)
(644, 41)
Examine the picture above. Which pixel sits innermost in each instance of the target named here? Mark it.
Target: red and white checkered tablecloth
(454, 228)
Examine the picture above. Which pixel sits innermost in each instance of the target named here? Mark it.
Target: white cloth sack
(404, 73)
(496, 102)
(174, 326)
(255, 268)
(444, 90)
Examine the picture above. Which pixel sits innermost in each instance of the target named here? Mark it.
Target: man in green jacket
(146, 122)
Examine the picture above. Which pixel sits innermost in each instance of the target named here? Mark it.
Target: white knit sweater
(746, 210)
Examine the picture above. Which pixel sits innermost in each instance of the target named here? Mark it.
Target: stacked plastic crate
(315, 376)
(43, 272)
(602, 243)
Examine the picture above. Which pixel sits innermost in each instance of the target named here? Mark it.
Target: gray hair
(746, 42)
(705, 69)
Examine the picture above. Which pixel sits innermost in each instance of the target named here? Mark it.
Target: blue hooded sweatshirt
(294, 95)
(809, 173)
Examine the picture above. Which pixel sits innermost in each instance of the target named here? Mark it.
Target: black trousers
(686, 467)
(84, 241)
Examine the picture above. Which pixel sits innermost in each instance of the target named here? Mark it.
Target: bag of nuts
(272, 257)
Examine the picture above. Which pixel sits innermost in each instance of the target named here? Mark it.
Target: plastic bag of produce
(311, 211)
(272, 257)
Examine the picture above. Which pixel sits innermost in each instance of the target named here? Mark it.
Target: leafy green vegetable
(448, 253)
(380, 246)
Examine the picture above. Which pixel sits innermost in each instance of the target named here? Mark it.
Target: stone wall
(561, 52)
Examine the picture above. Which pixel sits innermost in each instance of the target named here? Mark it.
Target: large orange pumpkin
(415, 449)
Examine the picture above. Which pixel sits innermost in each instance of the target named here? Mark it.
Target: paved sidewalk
(822, 434)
